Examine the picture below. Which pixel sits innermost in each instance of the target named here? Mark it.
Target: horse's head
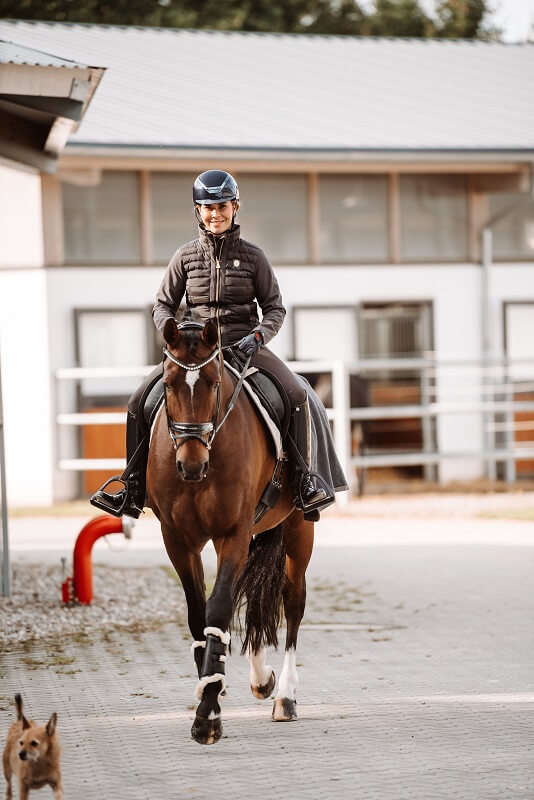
(192, 380)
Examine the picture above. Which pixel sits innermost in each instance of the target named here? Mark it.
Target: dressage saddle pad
(265, 392)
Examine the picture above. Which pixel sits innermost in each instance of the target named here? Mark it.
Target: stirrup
(323, 500)
(117, 504)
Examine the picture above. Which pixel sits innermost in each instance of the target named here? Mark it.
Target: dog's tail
(18, 703)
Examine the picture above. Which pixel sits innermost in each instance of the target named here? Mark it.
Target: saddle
(264, 384)
(267, 388)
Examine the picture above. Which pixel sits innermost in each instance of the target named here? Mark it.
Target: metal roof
(12, 53)
(199, 89)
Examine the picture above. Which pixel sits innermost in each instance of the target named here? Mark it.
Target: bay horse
(204, 481)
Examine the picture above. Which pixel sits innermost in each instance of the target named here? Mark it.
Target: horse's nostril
(191, 472)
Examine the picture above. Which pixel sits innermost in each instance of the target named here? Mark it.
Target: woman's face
(217, 217)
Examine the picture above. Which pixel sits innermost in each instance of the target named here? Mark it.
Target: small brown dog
(32, 755)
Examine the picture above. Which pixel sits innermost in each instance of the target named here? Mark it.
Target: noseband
(182, 432)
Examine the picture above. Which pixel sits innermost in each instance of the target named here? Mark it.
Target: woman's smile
(217, 217)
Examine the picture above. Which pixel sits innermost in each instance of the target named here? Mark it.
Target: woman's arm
(170, 292)
(269, 299)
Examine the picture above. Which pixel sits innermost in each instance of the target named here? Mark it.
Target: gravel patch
(131, 597)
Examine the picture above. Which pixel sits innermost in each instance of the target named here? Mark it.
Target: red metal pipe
(80, 586)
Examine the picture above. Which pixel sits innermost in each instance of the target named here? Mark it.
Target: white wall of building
(21, 233)
(24, 342)
(26, 386)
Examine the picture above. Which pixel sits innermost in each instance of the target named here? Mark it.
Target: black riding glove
(249, 345)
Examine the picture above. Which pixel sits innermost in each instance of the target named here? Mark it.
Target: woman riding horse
(222, 276)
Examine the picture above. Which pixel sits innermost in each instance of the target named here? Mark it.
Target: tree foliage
(451, 18)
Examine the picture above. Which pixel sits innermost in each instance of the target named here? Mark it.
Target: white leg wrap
(224, 636)
(197, 644)
(288, 684)
(203, 682)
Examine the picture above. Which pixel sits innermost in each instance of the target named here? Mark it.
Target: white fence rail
(487, 389)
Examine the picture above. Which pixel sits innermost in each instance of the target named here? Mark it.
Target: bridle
(182, 432)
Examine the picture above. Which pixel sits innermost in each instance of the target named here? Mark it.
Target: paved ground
(416, 675)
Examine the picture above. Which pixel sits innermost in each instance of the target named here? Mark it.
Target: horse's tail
(260, 587)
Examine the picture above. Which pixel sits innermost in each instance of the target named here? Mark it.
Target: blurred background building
(368, 170)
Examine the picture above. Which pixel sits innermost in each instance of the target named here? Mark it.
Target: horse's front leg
(299, 542)
(231, 556)
(189, 567)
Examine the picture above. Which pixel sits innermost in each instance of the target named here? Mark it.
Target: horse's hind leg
(299, 544)
(262, 677)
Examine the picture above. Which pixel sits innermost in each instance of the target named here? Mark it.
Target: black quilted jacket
(246, 281)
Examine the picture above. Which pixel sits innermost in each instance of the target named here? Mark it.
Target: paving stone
(416, 683)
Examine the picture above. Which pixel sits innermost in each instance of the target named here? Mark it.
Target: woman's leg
(308, 496)
(131, 498)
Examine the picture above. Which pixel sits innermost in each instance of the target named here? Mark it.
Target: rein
(181, 432)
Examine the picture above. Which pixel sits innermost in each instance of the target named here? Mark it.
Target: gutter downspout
(485, 314)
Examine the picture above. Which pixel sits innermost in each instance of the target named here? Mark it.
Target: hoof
(262, 692)
(206, 731)
(284, 710)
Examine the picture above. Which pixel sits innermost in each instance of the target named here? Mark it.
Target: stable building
(368, 170)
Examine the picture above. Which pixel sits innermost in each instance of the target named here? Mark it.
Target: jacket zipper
(217, 287)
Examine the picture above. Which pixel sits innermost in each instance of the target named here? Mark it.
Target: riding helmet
(214, 186)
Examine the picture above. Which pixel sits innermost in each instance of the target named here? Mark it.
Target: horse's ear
(209, 334)
(171, 333)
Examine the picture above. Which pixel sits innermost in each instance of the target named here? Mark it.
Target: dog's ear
(18, 703)
(25, 723)
(51, 724)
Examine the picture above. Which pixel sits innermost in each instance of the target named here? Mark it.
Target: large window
(354, 218)
(130, 217)
(173, 220)
(274, 215)
(433, 218)
(513, 235)
(102, 221)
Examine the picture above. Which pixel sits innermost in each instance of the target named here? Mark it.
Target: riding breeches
(267, 361)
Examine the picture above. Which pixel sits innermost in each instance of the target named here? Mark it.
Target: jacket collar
(207, 238)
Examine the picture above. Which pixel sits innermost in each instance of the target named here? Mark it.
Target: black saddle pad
(268, 388)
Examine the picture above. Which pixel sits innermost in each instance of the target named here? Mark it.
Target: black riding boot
(308, 496)
(130, 500)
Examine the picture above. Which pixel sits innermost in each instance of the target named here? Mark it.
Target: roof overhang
(80, 156)
(40, 106)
